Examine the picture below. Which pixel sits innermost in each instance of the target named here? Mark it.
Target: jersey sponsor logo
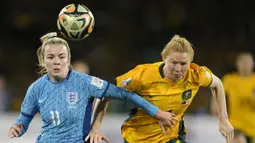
(99, 83)
(186, 95)
(126, 82)
(72, 97)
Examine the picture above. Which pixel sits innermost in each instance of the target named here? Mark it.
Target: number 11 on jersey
(55, 117)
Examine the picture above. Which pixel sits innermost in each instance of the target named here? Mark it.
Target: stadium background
(126, 33)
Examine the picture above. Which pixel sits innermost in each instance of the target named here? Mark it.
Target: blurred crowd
(126, 33)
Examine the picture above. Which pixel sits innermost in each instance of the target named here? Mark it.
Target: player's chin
(58, 75)
(177, 77)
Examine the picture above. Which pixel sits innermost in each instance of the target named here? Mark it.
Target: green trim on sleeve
(210, 83)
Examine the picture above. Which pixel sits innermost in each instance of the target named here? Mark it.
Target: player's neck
(56, 79)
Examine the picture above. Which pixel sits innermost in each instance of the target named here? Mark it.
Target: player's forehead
(179, 56)
(55, 49)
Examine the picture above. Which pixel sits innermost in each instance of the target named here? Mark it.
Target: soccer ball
(75, 22)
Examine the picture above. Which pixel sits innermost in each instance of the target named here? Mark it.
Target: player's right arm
(28, 111)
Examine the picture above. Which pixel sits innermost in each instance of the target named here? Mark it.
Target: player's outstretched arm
(225, 127)
(118, 93)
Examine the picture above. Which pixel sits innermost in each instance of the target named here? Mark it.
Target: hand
(96, 137)
(166, 118)
(226, 130)
(15, 130)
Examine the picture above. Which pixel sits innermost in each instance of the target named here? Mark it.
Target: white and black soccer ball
(75, 22)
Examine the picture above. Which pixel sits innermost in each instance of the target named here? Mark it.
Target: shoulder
(197, 72)
(39, 82)
(37, 85)
(83, 78)
(75, 75)
(194, 68)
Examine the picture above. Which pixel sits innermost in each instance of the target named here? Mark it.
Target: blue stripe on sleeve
(25, 119)
(26, 115)
(106, 88)
(125, 95)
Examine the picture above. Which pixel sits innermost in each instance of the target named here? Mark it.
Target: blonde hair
(178, 44)
(49, 38)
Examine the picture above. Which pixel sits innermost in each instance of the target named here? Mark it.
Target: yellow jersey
(240, 93)
(148, 81)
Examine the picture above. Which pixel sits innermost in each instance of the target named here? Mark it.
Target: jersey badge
(72, 98)
(97, 82)
(186, 95)
(126, 82)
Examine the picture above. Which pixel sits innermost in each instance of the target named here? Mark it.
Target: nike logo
(40, 101)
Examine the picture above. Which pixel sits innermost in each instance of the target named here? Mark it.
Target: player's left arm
(217, 89)
(219, 95)
(207, 79)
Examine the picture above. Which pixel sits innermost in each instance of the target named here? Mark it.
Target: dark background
(126, 33)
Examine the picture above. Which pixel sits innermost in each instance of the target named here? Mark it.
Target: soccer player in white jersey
(63, 97)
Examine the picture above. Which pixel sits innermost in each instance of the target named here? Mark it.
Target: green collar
(161, 70)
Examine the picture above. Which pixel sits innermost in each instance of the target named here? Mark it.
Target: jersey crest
(186, 95)
(72, 98)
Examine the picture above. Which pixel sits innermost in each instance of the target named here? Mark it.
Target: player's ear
(163, 58)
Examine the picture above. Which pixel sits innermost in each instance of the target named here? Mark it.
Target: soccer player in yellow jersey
(240, 92)
(170, 85)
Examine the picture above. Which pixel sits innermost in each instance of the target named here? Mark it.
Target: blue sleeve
(28, 110)
(115, 92)
(100, 89)
(25, 120)
(97, 86)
